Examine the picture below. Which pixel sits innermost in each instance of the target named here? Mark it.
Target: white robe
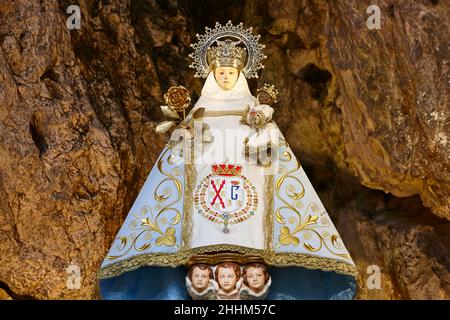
(229, 135)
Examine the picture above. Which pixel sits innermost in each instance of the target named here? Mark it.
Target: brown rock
(4, 295)
(408, 245)
(376, 104)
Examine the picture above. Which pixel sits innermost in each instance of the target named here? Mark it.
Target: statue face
(200, 279)
(226, 77)
(255, 278)
(227, 279)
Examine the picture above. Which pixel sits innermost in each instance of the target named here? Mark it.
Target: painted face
(255, 278)
(226, 77)
(227, 279)
(200, 279)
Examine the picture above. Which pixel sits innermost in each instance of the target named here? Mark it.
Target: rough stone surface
(4, 295)
(406, 242)
(364, 110)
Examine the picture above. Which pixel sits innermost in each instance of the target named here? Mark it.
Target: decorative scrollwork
(305, 224)
(147, 223)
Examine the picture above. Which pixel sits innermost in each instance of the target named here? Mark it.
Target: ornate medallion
(226, 196)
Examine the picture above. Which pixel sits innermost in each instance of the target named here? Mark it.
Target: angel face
(256, 278)
(226, 77)
(200, 278)
(227, 279)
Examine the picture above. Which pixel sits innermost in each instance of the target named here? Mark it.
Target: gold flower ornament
(177, 99)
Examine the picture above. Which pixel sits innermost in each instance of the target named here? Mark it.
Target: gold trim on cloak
(221, 113)
(182, 258)
(190, 177)
(268, 211)
(216, 258)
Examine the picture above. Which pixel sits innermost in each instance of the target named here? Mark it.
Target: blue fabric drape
(288, 283)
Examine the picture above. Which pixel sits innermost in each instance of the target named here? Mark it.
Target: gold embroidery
(283, 142)
(190, 177)
(216, 258)
(182, 257)
(286, 237)
(167, 192)
(286, 156)
(146, 225)
(268, 211)
(221, 113)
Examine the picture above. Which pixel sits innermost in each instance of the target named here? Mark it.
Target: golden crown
(267, 94)
(226, 54)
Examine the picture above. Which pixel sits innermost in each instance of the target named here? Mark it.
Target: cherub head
(226, 77)
(227, 275)
(200, 274)
(255, 276)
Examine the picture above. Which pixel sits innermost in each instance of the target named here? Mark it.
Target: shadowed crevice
(13, 295)
(317, 78)
(37, 136)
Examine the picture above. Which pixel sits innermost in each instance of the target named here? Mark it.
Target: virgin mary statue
(227, 211)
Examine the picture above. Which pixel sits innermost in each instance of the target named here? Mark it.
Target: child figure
(228, 276)
(200, 283)
(257, 282)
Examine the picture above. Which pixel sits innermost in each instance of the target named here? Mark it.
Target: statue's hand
(259, 115)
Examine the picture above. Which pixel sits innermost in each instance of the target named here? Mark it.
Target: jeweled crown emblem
(224, 169)
(267, 94)
(227, 54)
